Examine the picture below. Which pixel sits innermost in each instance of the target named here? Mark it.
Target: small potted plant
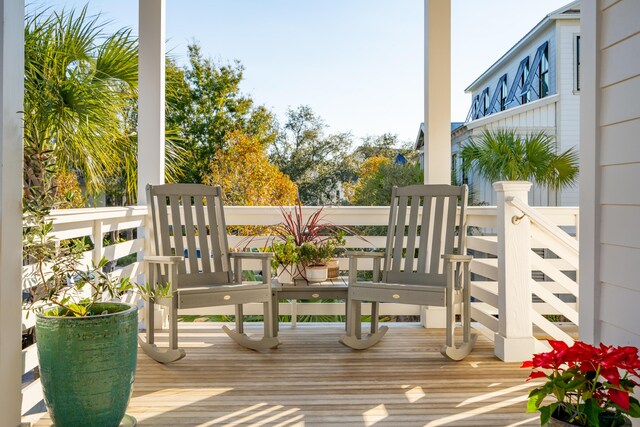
(285, 260)
(586, 385)
(315, 256)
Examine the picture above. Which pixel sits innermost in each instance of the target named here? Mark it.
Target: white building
(534, 86)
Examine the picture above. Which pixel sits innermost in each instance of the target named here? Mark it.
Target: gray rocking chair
(422, 265)
(190, 251)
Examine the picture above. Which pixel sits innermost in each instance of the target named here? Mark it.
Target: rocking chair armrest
(251, 255)
(364, 254)
(159, 259)
(264, 257)
(457, 258)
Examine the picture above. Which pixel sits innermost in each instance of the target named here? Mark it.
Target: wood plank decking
(312, 380)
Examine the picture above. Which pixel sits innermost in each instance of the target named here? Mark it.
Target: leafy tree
(247, 177)
(77, 83)
(315, 162)
(378, 175)
(504, 154)
(205, 104)
(385, 145)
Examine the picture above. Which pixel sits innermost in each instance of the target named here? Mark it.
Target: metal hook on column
(515, 220)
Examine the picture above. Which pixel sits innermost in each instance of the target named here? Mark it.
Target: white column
(437, 91)
(514, 340)
(590, 176)
(437, 112)
(12, 95)
(151, 94)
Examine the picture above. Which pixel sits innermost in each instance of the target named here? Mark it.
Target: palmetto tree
(504, 154)
(77, 84)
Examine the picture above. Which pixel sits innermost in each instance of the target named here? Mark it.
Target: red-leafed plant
(313, 230)
(591, 385)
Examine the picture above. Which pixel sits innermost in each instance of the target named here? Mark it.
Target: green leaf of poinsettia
(546, 412)
(634, 408)
(535, 399)
(592, 411)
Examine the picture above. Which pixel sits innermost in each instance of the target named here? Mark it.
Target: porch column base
(433, 317)
(514, 349)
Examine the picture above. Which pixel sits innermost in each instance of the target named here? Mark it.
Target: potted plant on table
(315, 257)
(87, 347)
(586, 385)
(300, 246)
(285, 260)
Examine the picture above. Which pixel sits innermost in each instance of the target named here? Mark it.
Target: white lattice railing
(552, 294)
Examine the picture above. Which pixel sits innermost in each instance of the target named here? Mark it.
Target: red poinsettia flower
(620, 398)
(586, 380)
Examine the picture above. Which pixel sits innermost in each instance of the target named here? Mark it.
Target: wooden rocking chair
(190, 251)
(421, 265)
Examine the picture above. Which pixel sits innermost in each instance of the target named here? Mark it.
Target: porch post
(514, 340)
(437, 91)
(11, 146)
(437, 112)
(151, 94)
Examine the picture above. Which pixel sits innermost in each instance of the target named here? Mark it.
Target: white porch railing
(553, 263)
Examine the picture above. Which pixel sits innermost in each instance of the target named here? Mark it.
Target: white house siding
(612, 201)
(568, 128)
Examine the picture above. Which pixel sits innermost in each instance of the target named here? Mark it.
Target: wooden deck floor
(313, 380)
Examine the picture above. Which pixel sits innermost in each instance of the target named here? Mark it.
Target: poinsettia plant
(592, 386)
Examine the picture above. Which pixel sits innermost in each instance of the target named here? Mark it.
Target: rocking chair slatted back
(424, 216)
(188, 220)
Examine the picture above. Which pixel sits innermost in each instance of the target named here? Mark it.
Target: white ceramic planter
(283, 275)
(316, 273)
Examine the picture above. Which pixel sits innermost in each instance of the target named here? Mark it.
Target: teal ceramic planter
(88, 364)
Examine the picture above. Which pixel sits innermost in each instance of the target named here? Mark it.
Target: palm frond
(504, 154)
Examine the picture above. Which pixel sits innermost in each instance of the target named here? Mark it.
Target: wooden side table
(331, 289)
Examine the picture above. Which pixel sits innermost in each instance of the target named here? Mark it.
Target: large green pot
(88, 364)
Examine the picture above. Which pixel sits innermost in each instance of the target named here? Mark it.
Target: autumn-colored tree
(377, 176)
(247, 177)
(364, 171)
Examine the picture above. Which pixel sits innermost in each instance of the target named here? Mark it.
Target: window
(524, 98)
(543, 74)
(503, 94)
(577, 63)
(486, 101)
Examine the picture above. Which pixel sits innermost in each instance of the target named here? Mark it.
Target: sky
(358, 63)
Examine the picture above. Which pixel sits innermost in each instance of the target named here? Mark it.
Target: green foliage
(503, 154)
(284, 253)
(78, 81)
(159, 290)
(374, 187)
(314, 161)
(204, 104)
(319, 252)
